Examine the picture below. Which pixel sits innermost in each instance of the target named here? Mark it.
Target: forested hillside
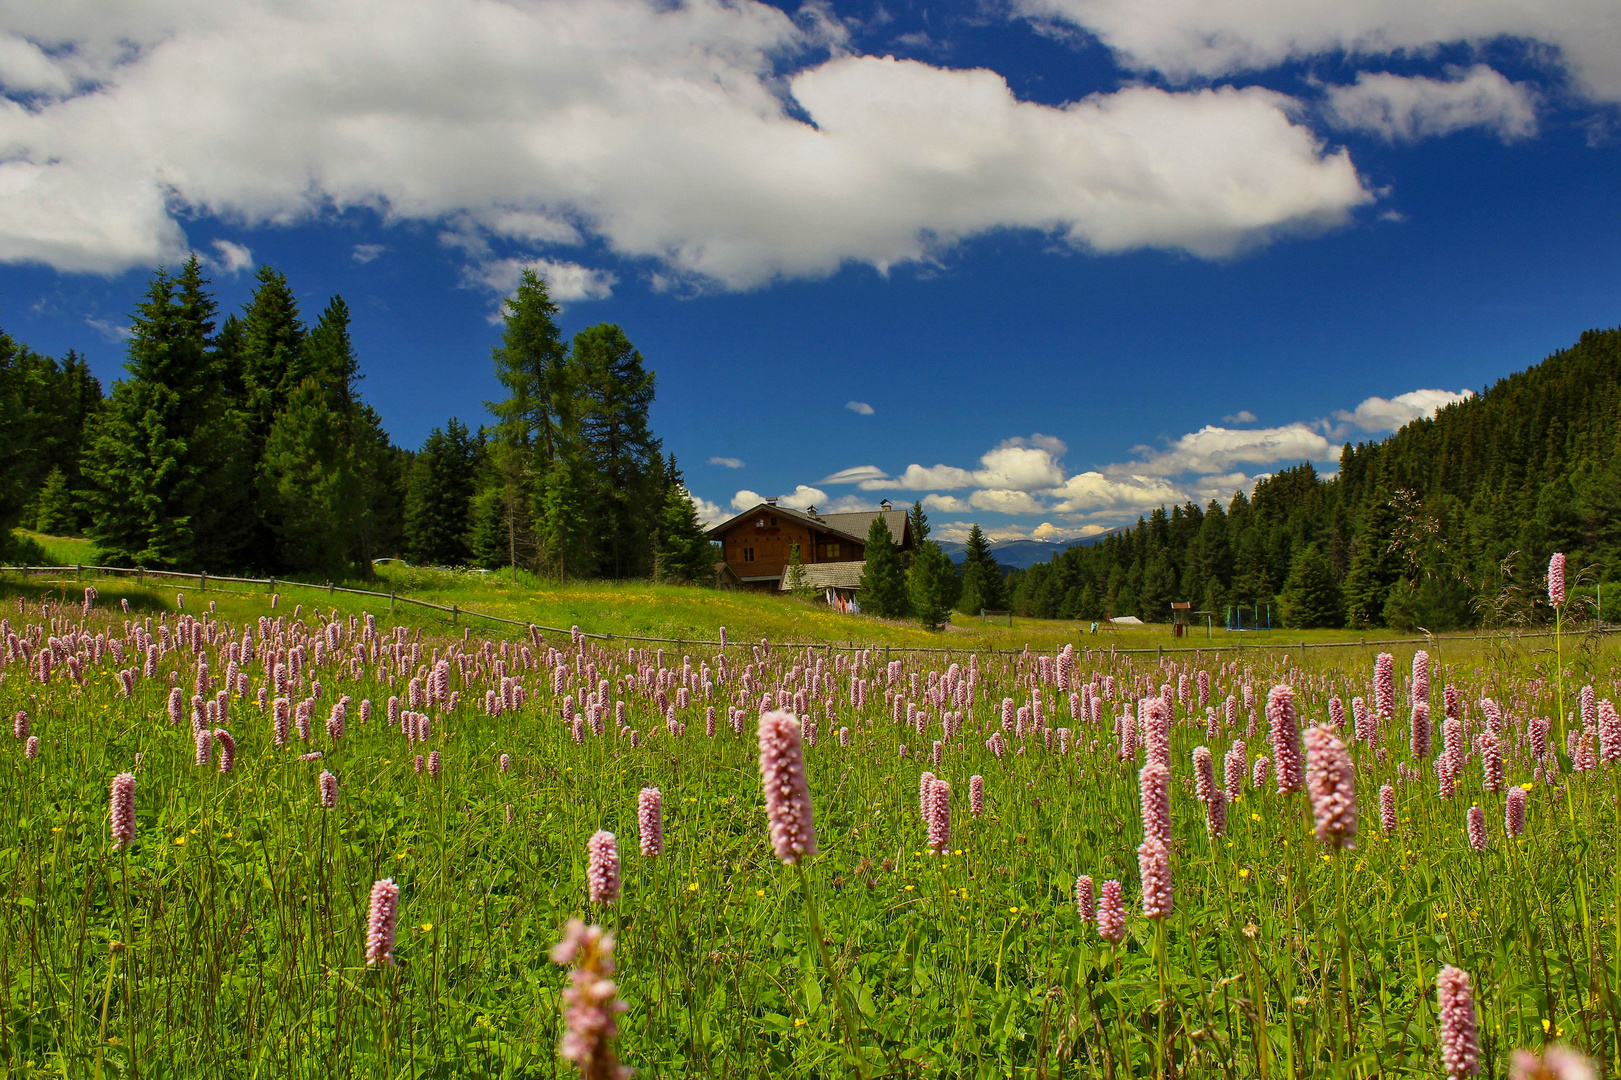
(1447, 523)
(244, 445)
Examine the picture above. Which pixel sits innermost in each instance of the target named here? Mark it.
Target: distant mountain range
(1021, 554)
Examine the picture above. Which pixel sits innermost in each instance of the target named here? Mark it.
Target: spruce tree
(793, 578)
(1375, 563)
(21, 433)
(55, 515)
(439, 497)
(1310, 598)
(165, 482)
(982, 586)
(271, 357)
(308, 486)
(329, 358)
(685, 554)
(883, 581)
(563, 517)
(682, 552)
(380, 468)
(931, 585)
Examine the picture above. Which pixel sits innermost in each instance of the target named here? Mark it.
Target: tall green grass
(229, 941)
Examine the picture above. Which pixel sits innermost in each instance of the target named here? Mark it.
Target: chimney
(810, 511)
(772, 501)
(884, 504)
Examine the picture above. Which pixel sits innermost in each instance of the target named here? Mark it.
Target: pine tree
(439, 497)
(883, 582)
(982, 586)
(1310, 596)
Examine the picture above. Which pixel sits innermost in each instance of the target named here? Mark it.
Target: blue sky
(1072, 258)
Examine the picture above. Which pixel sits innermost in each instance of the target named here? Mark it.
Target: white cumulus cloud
(1016, 464)
(1379, 414)
(1003, 501)
(566, 282)
(728, 462)
(1189, 39)
(801, 497)
(1401, 108)
(860, 408)
(231, 258)
(705, 138)
(1092, 492)
(708, 513)
(1214, 449)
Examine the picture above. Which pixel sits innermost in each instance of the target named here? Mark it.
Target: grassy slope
(63, 550)
(641, 608)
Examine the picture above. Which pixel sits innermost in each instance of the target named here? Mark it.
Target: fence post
(331, 590)
(78, 571)
(452, 614)
(391, 601)
(1161, 649)
(202, 582)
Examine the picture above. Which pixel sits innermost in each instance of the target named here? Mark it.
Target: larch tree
(613, 393)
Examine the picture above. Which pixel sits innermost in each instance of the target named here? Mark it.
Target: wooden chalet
(755, 546)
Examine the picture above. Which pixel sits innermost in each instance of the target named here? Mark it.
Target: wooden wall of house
(772, 544)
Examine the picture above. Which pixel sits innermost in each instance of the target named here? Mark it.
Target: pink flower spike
(787, 789)
(385, 908)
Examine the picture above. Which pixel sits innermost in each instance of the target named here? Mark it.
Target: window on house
(748, 554)
(773, 523)
(832, 551)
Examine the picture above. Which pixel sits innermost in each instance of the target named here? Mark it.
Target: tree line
(243, 445)
(1446, 524)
